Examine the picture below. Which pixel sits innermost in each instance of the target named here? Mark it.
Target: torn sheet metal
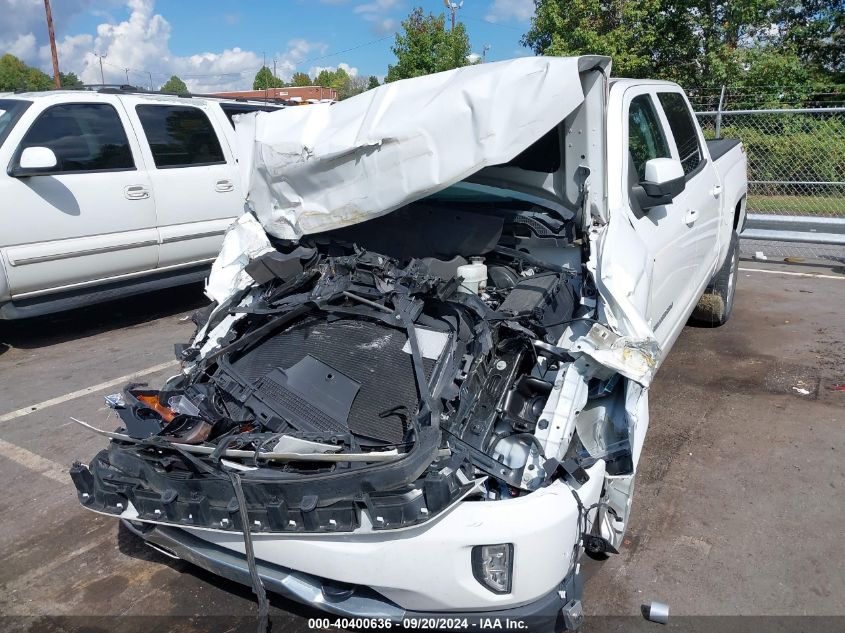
(244, 241)
(633, 358)
(326, 166)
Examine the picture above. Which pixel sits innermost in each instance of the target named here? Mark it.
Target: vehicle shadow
(83, 322)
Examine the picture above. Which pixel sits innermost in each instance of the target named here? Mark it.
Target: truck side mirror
(664, 179)
(34, 161)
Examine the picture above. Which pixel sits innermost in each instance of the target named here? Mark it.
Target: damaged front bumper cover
(345, 600)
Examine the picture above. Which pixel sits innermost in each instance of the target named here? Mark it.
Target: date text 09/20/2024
(457, 623)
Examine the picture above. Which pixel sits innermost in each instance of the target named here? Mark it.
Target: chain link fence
(795, 143)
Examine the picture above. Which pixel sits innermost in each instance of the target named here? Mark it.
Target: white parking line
(789, 272)
(86, 391)
(34, 462)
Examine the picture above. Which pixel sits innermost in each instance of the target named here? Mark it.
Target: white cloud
(23, 46)
(141, 43)
(507, 10)
(374, 12)
(376, 6)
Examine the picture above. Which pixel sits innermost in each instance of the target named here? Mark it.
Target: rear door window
(85, 137)
(683, 129)
(646, 139)
(180, 136)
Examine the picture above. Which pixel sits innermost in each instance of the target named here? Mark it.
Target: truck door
(193, 174)
(700, 201)
(664, 232)
(92, 215)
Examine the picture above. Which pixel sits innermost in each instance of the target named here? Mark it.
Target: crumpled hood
(314, 168)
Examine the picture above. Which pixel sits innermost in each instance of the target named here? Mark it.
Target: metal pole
(126, 70)
(151, 80)
(102, 76)
(56, 78)
(719, 113)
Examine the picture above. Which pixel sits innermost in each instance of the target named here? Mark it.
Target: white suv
(110, 193)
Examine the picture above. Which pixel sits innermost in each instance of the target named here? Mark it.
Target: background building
(292, 93)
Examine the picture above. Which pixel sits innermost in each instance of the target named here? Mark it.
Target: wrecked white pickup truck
(422, 387)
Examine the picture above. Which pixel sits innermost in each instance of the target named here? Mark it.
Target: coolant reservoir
(475, 276)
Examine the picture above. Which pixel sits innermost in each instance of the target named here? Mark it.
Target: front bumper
(352, 601)
(424, 568)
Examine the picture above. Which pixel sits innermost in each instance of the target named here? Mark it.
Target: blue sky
(217, 44)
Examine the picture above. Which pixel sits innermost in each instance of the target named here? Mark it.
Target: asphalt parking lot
(740, 507)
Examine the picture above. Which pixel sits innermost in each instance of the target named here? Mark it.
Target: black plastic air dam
(171, 489)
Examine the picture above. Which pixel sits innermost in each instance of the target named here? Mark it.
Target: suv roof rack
(128, 89)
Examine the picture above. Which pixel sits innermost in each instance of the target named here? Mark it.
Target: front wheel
(715, 305)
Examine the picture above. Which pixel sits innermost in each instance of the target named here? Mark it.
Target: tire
(716, 304)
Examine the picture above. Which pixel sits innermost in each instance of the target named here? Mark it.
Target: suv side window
(180, 136)
(85, 137)
(683, 129)
(232, 109)
(646, 139)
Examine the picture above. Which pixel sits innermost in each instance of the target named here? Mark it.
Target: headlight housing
(492, 566)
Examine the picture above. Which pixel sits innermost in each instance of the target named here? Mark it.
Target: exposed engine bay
(370, 377)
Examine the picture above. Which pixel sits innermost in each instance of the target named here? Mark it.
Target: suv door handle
(222, 186)
(136, 192)
(691, 216)
(717, 191)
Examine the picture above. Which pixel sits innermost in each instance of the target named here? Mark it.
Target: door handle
(717, 191)
(136, 192)
(222, 186)
(691, 216)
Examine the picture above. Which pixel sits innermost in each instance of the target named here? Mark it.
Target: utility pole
(102, 76)
(274, 71)
(453, 9)
(126, 70)
(484, 52)
(151, 80)
(52, 34)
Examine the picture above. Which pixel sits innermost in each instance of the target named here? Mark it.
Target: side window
(83, 136)
(645, 135)
(179, 136)
(683, 129)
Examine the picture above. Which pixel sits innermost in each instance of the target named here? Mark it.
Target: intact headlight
(492, 566)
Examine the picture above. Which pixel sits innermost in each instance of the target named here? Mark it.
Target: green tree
(342, 83)
(264, 79)
(699, 43)
(815, 29)
(175, 86)
(324, 78)
(424, 46)
(16, 75)
(357, 85)
(301, 79)
(372, 82)
(70, 80)
(338, 79)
